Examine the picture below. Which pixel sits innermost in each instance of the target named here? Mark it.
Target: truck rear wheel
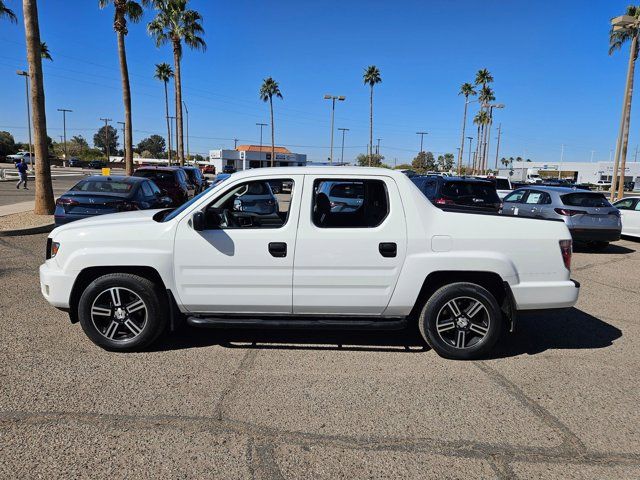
(461, 321)
(122, 312)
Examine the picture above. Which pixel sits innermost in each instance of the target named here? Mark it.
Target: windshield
(102, 186)
(171, 214)
(585, 200)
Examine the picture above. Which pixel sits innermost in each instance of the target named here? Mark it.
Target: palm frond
(371, 75)
(7, 13)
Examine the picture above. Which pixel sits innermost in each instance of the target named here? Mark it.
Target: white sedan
(630, 212)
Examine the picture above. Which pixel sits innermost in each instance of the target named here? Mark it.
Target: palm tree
(44, 204)
(7, 13)
(371, 77)
(164, 72)
(481, 119)
(268, 90)
(467, 90)
(483, 78)
(175, 24)
(45, 54)
(616, 40)
(131, 11)
(486, 97)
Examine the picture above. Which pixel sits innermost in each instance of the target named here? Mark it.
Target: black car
(459, 193)
(96, 164)
(196, 178)
(228, 169)
(74, 162)
(99, 195)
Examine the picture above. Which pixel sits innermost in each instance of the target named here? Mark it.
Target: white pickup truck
(238, 255)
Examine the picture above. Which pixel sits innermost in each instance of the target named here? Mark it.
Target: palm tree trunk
(166, 108)
(464, 124)
(371, 126)
(273, 134)
(625, 138)
(476, 156)
(126, 98)
(178, 86)
(44, 204)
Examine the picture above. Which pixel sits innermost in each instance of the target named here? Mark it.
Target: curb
(27, 231)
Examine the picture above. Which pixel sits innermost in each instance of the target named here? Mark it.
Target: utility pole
(235, 143)
(498, 145)
(187, 112)
(378, 147)
(470, 140)
(261, 125)
(343, 130)
(561, 159)
(635, 155)
(106, 136)
(333, 99)
(124, 149)
(64, 129)
(422, 134)
(24, 74)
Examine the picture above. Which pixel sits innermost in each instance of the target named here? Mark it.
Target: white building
(582, 172)
(245, 157)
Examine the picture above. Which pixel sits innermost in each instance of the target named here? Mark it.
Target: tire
(122, 312)
(478, 317)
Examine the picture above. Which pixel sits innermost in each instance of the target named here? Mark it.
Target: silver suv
(588, 215)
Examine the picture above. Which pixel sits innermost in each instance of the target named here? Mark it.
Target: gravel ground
(559, 399)
(24, 220)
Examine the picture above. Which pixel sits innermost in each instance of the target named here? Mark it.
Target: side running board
(298, 323)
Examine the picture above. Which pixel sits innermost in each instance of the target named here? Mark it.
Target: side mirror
(197, 221)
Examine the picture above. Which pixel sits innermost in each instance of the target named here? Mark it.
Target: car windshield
(171, 214)
(470, 189)
(102, 186)
(585, 200)
(157, 175)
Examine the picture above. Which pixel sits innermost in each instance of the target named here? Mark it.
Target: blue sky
(549, 60)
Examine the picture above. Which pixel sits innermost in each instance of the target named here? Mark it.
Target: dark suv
(173, 180)
(196, 178)
(459, 193)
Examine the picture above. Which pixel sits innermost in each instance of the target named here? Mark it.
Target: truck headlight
(52, 248)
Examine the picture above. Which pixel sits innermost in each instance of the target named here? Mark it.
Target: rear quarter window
(485, 191)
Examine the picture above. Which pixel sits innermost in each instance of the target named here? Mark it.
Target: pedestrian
(22, 171)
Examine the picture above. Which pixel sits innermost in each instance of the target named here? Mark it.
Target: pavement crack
(570, 439)
(502, 468)
(262, 461)
(236, 380)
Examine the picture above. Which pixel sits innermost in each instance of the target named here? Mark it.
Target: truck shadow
(611, 249)
(571, 330)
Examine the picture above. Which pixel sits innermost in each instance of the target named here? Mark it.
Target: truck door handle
(388, 249)
(278, 249)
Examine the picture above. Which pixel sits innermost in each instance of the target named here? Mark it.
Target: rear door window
(534, 197)
(585, 200)
(349, 203)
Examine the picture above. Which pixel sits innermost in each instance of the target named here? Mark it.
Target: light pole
(106, 136)
(464, 127)
(486, 147)
(378, 146)
(124, 149)
(470, 140)
(624, 23)
(187, 112)
(26, 84)
(64, 129)
(343, 130)
(498, 144)
(333, 99)
(422, 134)
(261, 125)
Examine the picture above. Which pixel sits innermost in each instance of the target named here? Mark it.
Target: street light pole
(187, 112)
(422, 134)
(261, 125)
(64, 129)
(106, 136)
(24, 74)
(333, 99)
(378, 147)
(488, 137)
(124, 149)
(498, 145)
(470, 140)
(343, 130)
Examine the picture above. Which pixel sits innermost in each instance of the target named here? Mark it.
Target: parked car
(502, 184)
(228, 169)
(343, 196)
(630, 215)
(196, 178)
(208, 169)
(96, 164)
(588, 215)
(629, 186)
(99, 195)
(172, 180)
(75, 162)
(461, 193)
(462, 277)
(17, 157)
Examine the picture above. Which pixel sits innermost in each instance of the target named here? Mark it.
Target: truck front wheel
(461, 321)
(122, 312)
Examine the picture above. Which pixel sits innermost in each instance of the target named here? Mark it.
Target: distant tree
(371, 77)
(404, 166)
(147, 154)
(424, 162)
(445, 162)
(164, 73)
(45, 54)
(528, 159)
(374, 160)
(80, 140)
(518, 159)
(7, 144)
(198, 158)
(268, 90)
(154, 144)
(99, 139)
(504, 161)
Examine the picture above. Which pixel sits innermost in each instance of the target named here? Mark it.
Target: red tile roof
(265, 148)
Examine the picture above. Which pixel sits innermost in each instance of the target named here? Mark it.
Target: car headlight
(52, 248)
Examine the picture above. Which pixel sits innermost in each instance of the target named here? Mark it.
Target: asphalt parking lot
(558, 400)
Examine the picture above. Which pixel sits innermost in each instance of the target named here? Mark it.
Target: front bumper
(545, 295)
(56, 285)
(595, 234)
